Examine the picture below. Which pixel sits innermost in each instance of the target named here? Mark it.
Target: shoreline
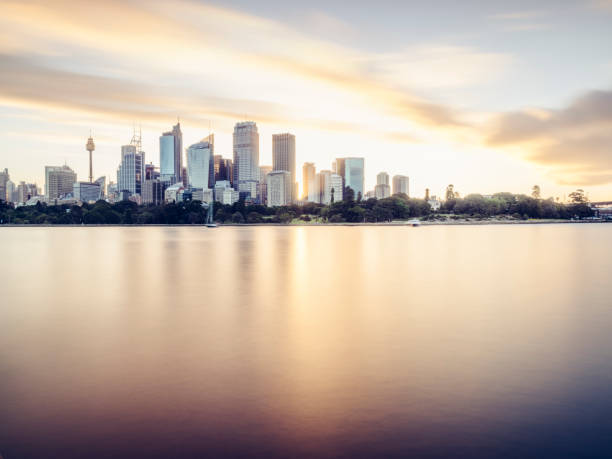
(305, 224)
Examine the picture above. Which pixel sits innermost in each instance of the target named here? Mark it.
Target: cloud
(172, 56)
(575, 142)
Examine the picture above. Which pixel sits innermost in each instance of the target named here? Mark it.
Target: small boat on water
(211, 225)
(414, 222)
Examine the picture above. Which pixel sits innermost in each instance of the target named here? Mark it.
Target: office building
(200, 163)
(400, 184)
(171, 156)
(246, 159)
(225, 193)
(59, 181)
(153, 191)
(354, 176)
(223, 169)
(131, 171)
(202, 195)
(330, 186)
(86, 191)
(11, 192)
(262, 186)
(310, 192)
(283, 158)
(101, 181)
(4, 179)
(173, 192)
(278, 188)
(382, 189)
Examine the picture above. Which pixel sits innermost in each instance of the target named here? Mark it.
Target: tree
(237, 218)
(349, 194)
(578, 197)
(535, 192)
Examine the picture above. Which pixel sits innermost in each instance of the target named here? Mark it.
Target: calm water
(482, 341)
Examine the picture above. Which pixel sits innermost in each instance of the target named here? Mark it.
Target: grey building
(246, 159)
(283, 158)
(401, 184)
(59, 181)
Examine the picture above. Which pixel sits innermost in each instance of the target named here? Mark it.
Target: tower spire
(90, 146)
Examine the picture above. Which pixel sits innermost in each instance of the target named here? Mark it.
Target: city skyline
(482, 96)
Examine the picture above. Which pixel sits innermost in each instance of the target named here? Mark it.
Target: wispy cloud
(139, 49)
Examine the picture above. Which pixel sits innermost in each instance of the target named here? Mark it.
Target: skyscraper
(382, 178)
(4, 178)
(400, 184)
(382, 189)
(246, 159)
(278, 188)
(131, 171)
(262, 186)
(354, 175)
(200, 163)
(283, 157)
(59, 180)
(170, 154)
(309, 192)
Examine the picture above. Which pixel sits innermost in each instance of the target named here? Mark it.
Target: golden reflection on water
(315, 338)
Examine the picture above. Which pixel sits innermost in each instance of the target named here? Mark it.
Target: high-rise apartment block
(382, 189)
(400, 184)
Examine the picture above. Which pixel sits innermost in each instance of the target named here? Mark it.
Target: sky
(487, 95)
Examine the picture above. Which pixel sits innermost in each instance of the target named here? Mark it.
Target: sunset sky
(487, 95)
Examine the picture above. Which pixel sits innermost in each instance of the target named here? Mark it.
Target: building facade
(225, 193)
(246, 159)
(400, 184)
(354, 175)
(131, 171)
(279, 188)
(153, 191)
(200, 163)
(4, 179)
(87, 191)
(310, 192)
(283, 158)
(330, 187)
(382, 189)
(59, 181)
(262, 186)
(171, 155)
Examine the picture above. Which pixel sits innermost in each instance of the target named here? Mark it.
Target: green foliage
(396, 207)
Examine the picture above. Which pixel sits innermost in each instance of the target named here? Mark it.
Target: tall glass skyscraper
(354, 175)
(246, 159)
(170, 155)
(200, 163)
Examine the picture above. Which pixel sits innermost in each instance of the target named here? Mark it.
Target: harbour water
(463, 341)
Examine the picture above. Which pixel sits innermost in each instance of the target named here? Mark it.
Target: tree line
(397, 207)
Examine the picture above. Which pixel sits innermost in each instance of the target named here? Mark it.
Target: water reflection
(324, 341)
